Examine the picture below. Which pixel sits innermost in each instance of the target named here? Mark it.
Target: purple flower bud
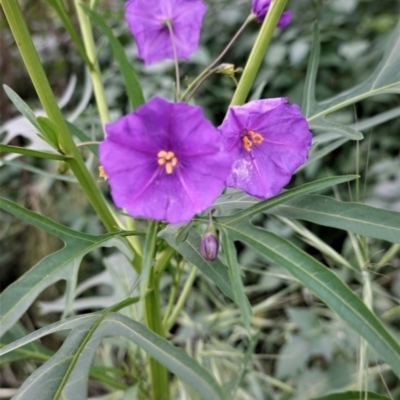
(209, 246)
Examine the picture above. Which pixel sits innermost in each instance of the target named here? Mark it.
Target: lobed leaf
(65, 375)
(323, 283)
(63, 264)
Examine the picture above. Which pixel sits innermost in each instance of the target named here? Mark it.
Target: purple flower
(148, 21)
(270, 140)
(261, 7)
(164, 161)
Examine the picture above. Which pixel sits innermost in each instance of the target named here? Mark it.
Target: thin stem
(95, 73)
(204, 78)
(176, 62)
(82, 144)
(206, 73)
(258, 52)
(250, 18)
(172, 296)
(182, 299)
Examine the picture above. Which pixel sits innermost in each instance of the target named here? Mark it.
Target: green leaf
(23, 108)
(215, 271)
(63, 264)
(62, 12)
(30, 351)
(386, 76)
(311, 75)
(66, 373)
(39, 171)
(49, 129)
(324, 125)
(149, 250)
(239, 200)
(236, 280)
(353, 217)
(5, 148)
(353, 396)
(323, 283)
(132, 84)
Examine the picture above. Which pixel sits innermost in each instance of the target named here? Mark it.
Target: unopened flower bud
(209, 246)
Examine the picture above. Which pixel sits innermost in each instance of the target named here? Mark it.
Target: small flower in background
(149, 22)
(164, 161)
(209, 246)
(270, 140)
(261, 7)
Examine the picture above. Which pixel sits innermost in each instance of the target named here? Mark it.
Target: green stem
(206, 73)
(172, 295)
(182, 299)
(36, 72)
(258, 52)
(95, 73)
(152, 311)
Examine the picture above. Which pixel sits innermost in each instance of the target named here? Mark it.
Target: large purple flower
(270, 140)
(148, 21)
(164, 161)
(261, 7)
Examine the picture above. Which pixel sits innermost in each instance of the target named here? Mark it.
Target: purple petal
(139, 184)
(145, 20)
(267, 167)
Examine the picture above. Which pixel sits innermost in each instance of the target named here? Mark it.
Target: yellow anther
(168, 159)
(168, 168)
(249, 138)
(170, 155)
(102, 173)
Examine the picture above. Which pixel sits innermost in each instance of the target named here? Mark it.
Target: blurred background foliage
(303, 350)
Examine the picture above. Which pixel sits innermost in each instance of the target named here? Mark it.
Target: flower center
(168, 159)
(249, 138)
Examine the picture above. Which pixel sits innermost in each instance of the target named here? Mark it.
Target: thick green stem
(258, 52)
(95, 73)
(159, 374)
(35, 69)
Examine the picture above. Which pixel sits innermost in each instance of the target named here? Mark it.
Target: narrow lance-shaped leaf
(63, 264)
(62, 12)
(324, 284)
(236, 279)
(65, 375)
(311, 76)
(385, 76)
(239, 201)
(354, 217)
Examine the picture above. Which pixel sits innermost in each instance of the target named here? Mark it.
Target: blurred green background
(303, 349)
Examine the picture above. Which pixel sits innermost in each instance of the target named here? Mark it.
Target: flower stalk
(258, 52)
(95, 73)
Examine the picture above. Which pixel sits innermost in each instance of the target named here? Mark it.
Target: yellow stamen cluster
(168, 159)
(102, 173)
(249, 138)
